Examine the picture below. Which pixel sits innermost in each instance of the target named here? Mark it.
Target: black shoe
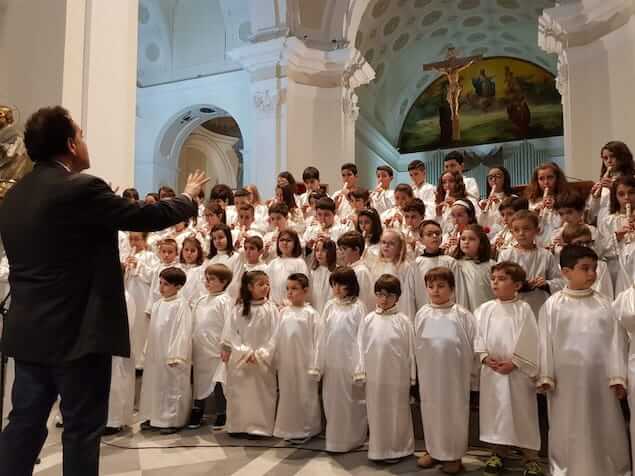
(138, 372)
(220, 421)
(195, 419)
(168, 431)
(112, 430)
(146, 426)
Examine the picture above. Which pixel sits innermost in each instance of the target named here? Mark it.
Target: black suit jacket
(59, 231)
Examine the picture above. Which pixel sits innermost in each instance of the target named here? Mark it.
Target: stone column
(80, 54)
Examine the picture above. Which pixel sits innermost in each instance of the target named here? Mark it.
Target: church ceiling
(398, 36)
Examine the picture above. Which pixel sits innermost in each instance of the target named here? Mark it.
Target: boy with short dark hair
(311, 179)
(583, 369)
(386, 349)
(507, 348)
(349, 180)
(209, 314)
(351, 245)
(382, 198)
(166, 393)
(423, 190)
(454, 163)
(325, 226)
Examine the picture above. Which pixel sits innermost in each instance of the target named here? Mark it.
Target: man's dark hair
(571, 254)
(47, 132)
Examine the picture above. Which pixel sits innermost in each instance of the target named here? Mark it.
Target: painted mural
(503, 99)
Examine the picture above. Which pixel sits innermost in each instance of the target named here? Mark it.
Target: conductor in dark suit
(68, 314)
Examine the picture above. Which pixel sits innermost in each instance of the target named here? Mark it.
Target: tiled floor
(206, 452)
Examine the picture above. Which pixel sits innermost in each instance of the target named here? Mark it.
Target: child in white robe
(253, 247)
(168, 256)
(249, 341)
(547, 183)
(423, 190)
(617, 229)
(581, 235)
(387, 367)
(191, 259)
(289, 261)
(433, 257)
(473, 257)
(543, 274)
(325, 226)
(454, 163)
(503, 238)
(209, 315)
(166, 393)
(221, 251)
(139, 270)
(583, 369)
(499, 188)
(349, 179)
(383, 198)
(392, 260)
(571, 208)
(624, 307)
(414, 214)
(369, 226)
(507, 348)
(122, 382)
(299, 416)
(351, 246)
(324, 262)
(395, 217)
(335, 361)
(444, 340)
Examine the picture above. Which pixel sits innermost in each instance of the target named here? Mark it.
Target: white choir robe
(423, 264)
(444, 349)
(624, 307)
(626, 276)
(536, 262)
(209, 315)
(508, 331)
(371, 251)
(195, 288)
(192, 273)
(279, 271)
(402, 271)
(250, 388)
(321, 290)
(476, 277)
(366, 284)
(344, 209)
(122, 381)
(153, 294)
(382, 200)
(166, 392)
(299, 413)
(549, 222)
(387, 367)
(296, 221)
(491, 218)
(137, 283)
(616, 251)
(426, 192)
(336, 358)
(471, 188)
(599, 208)
(313, 232)
(582, 353)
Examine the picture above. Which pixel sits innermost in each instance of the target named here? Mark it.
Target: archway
(201, 137)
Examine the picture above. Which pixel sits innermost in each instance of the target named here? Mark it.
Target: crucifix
(451, 68)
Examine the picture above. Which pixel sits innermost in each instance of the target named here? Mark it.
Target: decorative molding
(342, 67)
(350, 105)
(264, 55)
(265, 102)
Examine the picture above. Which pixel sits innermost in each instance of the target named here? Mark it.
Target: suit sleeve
(98, 205)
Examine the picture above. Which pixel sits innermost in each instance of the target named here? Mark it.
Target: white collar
(447, 305)
(387, 312)
(578, 293)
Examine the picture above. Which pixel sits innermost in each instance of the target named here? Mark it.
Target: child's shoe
(493, 466)
(426, 461)
(452, 467)
(533, 469)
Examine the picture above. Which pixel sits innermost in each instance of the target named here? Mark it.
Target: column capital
(342, 67)
(580, 23)
(262, 60)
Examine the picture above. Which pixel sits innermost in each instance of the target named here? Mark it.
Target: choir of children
(343, 303)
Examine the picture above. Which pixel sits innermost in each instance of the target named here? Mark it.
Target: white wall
(159, 106)
(601, 76)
